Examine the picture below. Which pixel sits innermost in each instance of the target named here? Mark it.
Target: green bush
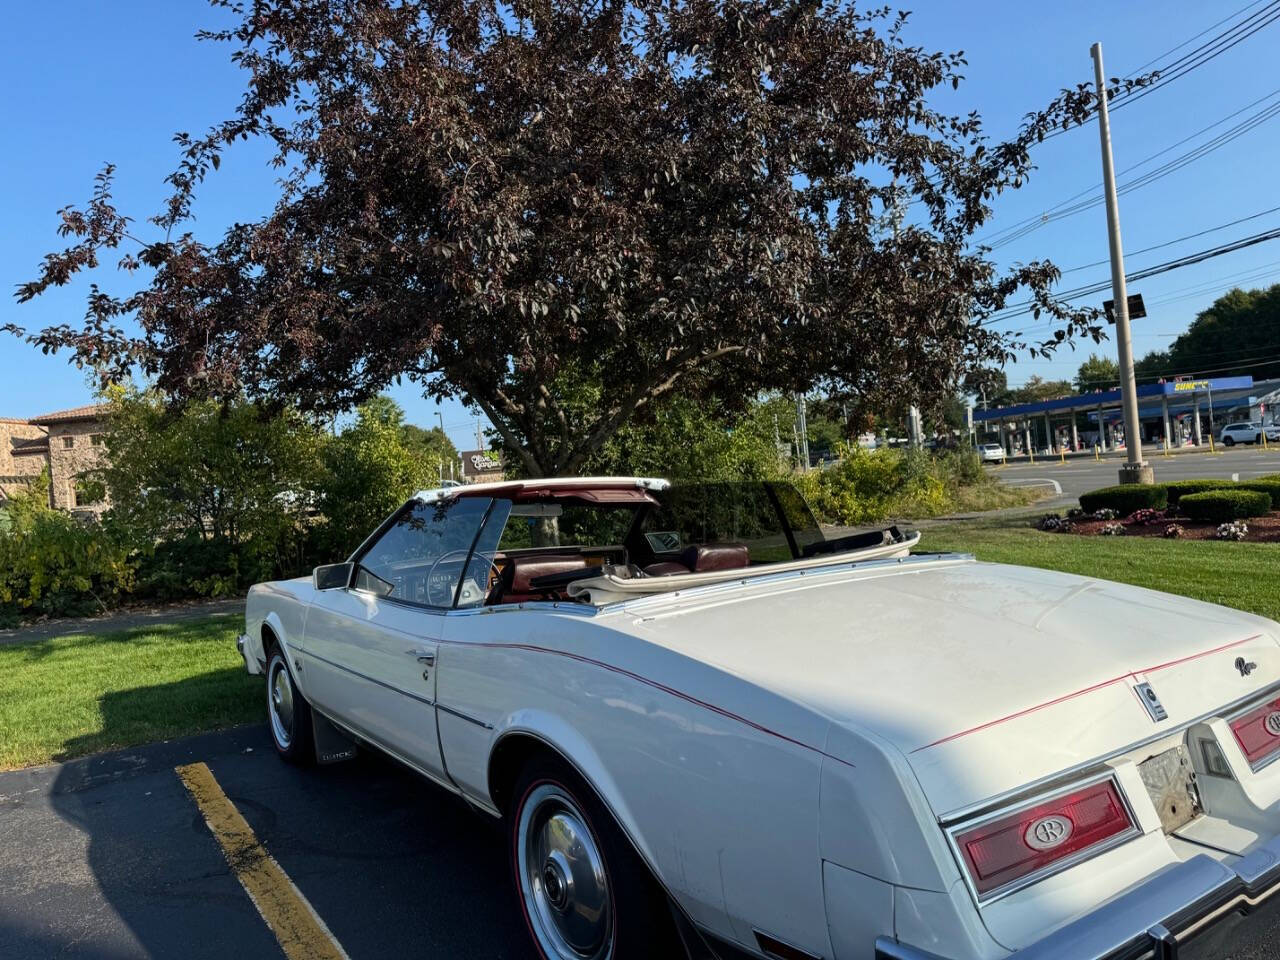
(1179, 488)
(866, 486)
(1125, 498)
(192, 566)
(52, 564)
(1269, 487)
(1219, 506)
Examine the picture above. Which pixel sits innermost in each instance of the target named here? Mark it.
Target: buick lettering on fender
(713, 731)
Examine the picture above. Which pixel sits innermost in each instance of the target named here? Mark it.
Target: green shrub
(869, 485)
(191, 566)
(52, 564)
(1219, 506)
(1269, 487)
(1179, 488)
(1125, 498)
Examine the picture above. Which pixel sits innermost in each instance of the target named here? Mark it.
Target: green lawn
(80, 694)
(1241, 575)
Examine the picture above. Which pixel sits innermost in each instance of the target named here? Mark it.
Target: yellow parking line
(300, 931)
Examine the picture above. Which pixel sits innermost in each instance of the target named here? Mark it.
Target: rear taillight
(1258, 732)
(1012, 847)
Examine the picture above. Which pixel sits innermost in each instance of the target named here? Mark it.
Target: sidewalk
(123, 620)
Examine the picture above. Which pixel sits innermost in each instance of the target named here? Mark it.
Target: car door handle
(423, 656)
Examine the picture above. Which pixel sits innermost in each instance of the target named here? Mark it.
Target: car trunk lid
(986, 677)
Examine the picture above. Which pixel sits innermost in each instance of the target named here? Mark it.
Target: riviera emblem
(1245, 667)
(1048, 832)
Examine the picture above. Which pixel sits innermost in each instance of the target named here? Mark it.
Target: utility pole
(1135, 469)
(479, 440)
(803, 420)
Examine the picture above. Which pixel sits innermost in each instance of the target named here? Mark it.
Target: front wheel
(288, 713)
(585, 893)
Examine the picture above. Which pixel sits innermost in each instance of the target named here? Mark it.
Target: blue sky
(88, 82)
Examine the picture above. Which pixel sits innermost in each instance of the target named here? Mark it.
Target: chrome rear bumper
(1159, 919)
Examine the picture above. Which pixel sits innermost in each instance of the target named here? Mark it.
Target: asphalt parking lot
(110, 857)
(114, 857)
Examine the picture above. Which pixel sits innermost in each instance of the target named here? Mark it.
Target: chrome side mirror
(332, 576)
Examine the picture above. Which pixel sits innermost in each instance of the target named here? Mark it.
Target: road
(1081, 475)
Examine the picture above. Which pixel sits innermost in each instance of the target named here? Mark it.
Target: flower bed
(1213, 510)
(1157, 524)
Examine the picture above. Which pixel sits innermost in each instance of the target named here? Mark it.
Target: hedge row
(1177, 489)
(1269, 487)
(1125, 498)
(1259, 497)
(1219, 506)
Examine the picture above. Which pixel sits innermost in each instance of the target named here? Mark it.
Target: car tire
(1258, 439)
(1228, 442)
(288, 713)
(584, 891)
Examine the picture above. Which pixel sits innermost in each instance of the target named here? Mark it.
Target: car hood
(986, 677)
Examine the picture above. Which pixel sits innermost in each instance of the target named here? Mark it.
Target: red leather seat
(519, 571)
(706, 557)
(703, 558)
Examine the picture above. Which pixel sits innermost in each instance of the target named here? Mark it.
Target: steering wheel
(435, 586)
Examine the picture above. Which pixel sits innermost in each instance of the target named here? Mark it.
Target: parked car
(712, 731)
(991, 452)
(1247, 432)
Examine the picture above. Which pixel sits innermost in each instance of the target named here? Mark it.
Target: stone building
(24, 452)
(67, 442)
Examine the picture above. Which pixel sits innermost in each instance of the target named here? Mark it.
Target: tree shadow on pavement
(392, 864)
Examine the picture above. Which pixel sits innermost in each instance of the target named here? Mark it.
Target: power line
(1206, 52)
(1200, 256)
(1181, 66)
(1138, 70)
(1170, 243)
(1073, 205)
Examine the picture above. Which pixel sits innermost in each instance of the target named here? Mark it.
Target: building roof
(22, 445)
(92, 411)
(1225, 388)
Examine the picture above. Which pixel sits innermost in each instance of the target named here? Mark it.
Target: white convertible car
(712, 732)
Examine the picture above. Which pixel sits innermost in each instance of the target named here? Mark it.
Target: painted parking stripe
(298, 928)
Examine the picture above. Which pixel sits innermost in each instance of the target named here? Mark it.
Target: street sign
(1137, 309)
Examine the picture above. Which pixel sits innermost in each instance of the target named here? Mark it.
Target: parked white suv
(1247, 432)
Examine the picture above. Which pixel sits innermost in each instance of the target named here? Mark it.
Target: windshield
(746, 513)
(533, 525)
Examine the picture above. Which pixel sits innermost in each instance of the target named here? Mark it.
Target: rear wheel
(288, 713)
(585, 893)
(1228, 442)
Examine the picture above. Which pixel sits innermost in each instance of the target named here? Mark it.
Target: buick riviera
(713, 731)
